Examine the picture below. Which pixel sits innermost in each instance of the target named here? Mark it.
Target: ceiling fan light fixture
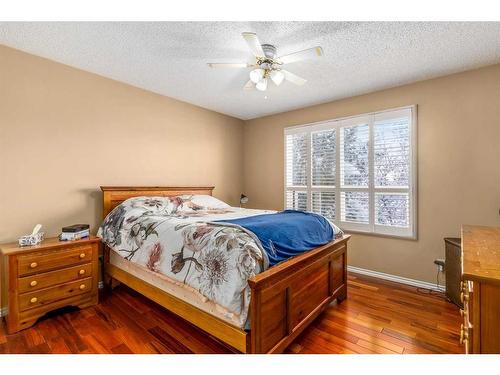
(261, 85)
(277, 77)
(256, 75)
(268, 65)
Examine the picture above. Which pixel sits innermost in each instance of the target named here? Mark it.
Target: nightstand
(48, 276)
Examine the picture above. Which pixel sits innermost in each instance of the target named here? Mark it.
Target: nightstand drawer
(48, 276)
(48, 279)
(46, 296)
(36, 263)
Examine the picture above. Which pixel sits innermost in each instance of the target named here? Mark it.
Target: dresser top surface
(48, 243)
(481, 253)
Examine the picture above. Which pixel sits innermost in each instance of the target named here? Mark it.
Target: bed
(283, 299)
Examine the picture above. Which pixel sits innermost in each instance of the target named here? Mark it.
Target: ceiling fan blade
(302, 55)
(254, 44)
(228, 65)
(293, 78)
(249, 85)
(277, 77)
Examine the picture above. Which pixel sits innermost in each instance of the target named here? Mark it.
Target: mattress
(177, 289)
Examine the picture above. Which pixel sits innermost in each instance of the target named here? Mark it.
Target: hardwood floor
(377, 317)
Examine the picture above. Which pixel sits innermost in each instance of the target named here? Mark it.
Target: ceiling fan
(268, 66)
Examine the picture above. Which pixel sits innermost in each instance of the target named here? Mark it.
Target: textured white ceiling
(170, 58)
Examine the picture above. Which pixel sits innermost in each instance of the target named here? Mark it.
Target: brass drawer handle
(34, 300)
(81, 272)
(464, 334)
(82, 287)
(461, 312)
(33, 265)
(464, 297)
(82, 255)
(34, 283)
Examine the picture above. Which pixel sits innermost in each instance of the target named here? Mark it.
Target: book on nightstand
(75, 232)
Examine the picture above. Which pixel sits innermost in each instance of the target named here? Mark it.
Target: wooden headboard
(112, 196)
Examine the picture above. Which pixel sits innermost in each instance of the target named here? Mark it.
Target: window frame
(338, 123)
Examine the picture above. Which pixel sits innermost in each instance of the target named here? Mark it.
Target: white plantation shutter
(296, 162)
(392, 209)
(296, 159)
(359, 172)
(323, 170)
(355, 207)
(354, 173)
(296, 200)
(323, 202)
(393, 172)
(391, 147)
(354, 138)
(324, 157)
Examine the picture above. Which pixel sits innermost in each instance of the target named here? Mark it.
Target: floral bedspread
(175, 236)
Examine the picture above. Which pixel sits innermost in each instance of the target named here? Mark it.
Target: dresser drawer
(46, 296)
(41, 262)
(44, 280)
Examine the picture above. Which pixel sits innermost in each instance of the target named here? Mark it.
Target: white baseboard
(397, 279)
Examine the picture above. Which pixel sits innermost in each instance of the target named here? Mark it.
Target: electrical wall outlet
(440, 263)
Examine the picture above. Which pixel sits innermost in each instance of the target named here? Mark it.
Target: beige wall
(64, 132)
(458, 164)
(56, 119)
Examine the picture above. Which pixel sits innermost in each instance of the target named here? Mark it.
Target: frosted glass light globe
(256, 75)
(261, 85)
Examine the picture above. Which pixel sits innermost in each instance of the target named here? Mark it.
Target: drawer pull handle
(82, 255)
(34, 283)
(461, 312)
(34, 300)
(81, 272)
(82, 287)
(464, 297)
(464, 334)
(33, 265)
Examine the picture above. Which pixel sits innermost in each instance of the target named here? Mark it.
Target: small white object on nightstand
(34, 238)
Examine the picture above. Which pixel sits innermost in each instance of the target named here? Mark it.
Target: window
(360, 172)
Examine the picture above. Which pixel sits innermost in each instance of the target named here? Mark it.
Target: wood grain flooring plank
(95, 345)
(58, 346)
(378, 316)
(377, 339)
(169, 341)
(376, 348)
(33, 337)
(122, 349)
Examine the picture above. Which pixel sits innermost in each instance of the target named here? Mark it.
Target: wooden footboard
(289, 296)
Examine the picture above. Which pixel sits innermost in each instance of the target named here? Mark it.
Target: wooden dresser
(480, 332)
(48, 276)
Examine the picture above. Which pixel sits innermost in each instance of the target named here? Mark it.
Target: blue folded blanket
(288, 233)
